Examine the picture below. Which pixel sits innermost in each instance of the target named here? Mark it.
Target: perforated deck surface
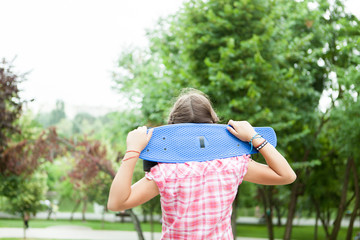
(178, 143)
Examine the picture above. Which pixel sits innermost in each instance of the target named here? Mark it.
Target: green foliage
(268, 62)
(251, 58)
(141, 77)
(98, 189)
(10, 107)
(66, 191)
(82, 122)
(248, 195)
(116, 126)
(343, 136)
(58, 185)
(255, 60)
(54, 117)
(58, 113)
(65, 128)
(23, 194)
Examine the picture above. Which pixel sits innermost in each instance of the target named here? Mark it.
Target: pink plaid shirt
(196, 197)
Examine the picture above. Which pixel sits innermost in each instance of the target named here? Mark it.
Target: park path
(79, 233)
(110, 217)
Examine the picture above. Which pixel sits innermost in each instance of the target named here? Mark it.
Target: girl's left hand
(138, 138)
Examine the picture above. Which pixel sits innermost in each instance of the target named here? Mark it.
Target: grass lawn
(96, 225)
(68, 205)
(259, 231)
(298, 232)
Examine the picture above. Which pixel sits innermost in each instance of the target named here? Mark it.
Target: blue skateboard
(186, 142)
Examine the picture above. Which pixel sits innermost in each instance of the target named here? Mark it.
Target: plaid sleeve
(242, 166)
(156, 175)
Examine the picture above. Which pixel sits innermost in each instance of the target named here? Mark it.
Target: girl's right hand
(242, 130)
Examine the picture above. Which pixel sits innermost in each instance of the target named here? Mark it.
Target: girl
(196, 197)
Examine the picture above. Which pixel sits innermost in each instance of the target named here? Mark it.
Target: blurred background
(77, 76)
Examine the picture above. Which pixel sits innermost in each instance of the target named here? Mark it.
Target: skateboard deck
(186, 142)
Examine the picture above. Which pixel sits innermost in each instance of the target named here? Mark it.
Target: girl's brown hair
(192, 106)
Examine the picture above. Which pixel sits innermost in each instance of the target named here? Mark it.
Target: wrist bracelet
(254, 137)
(262, 145)
(136, 156)
(132, 151)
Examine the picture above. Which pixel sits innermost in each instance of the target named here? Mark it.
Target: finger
(232, 131)
(149, 135)
(231, 123)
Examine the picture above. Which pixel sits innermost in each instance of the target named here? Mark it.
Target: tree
(10, 105)
(141, 77)
(342, 139)
(80, 120)
(20, 183)
(265, 61)
(89, 160)
(24, 195)
(53, 117)
(341, 58)
(251, 58)
(57, 114)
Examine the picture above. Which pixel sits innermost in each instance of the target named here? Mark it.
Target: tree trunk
(291, 212)
(74, 209)
(278, 214)
(266, 193)
(26, 218)
(270, 225)
(316, 226)
(49, 212)
(136, 224)
(322, 219)
(84, 210)
(342, 205)
(269, 216)
(103, 219)
(357, 202)
(152, 225)
(234, 214)
(145, 219)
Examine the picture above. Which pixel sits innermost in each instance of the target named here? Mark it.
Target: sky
(70, 48)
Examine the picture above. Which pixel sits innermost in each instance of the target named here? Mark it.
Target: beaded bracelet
(262, 145)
